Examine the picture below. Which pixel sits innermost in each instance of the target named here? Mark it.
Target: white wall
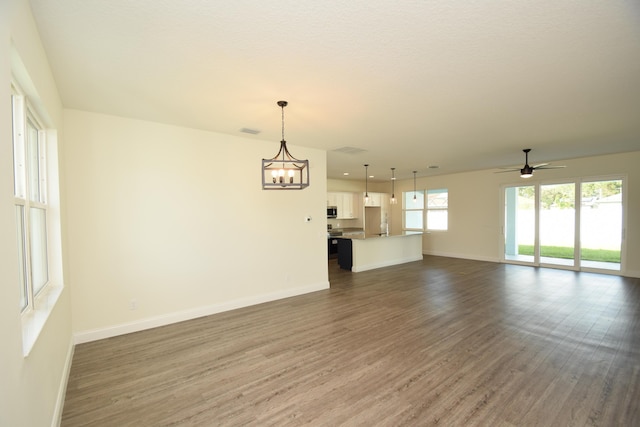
(474, 206)
(176, 220)
(31, 388)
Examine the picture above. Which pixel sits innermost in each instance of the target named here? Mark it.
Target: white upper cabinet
(348, 204)
(375, 199)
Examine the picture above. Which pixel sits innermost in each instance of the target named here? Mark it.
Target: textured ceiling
(464, 85)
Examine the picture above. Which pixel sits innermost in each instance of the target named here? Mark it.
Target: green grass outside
(601, 255)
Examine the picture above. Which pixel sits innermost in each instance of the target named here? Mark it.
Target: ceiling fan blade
(550, 167)
(526, 171)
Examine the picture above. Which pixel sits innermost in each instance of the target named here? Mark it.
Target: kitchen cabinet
(376, 213)
(345, 254)
(374, 200)
(346, 208)
(348, 204)
(377, 200)
(380, 200)
(331, 199)
(375, 252)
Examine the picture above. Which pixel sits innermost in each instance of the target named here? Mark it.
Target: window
(36, 200)
(437, 209)
(413, 210)
(30, 200)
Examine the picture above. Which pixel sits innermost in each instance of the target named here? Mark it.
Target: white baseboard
(385, 264)
(457, 255)
(167, 319)
(62, 388)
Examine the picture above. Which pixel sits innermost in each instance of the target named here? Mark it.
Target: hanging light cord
(282, 106)
(283, 144)
(366, 181)
(393, 185)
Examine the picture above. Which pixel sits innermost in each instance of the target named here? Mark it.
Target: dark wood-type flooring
(440, 342)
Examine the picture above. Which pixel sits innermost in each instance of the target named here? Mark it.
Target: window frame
(407, 206)
(536, 259)
(429, 209)
(25, 102)
(30, 197)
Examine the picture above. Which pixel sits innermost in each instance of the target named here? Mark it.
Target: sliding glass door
(544, 224)
(520, 223)
(557, 224)
(601, 224)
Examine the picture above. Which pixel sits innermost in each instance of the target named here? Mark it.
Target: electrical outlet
(133, 304)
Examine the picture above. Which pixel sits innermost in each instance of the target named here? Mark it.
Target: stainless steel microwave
(332, 212)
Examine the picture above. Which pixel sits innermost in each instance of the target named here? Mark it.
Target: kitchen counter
(345, 231)
(362, 236)
(362, 253)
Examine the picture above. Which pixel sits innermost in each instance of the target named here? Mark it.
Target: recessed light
(345, 173)
(433, 167)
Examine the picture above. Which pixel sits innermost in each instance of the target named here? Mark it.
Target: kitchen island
(364, 253)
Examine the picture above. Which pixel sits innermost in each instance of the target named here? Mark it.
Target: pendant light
(366, 183)
(415, 198)
(393, 200)
(284, 172)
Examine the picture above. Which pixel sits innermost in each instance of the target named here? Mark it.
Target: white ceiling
(461, 84)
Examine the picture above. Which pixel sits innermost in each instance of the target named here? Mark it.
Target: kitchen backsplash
(346, 223)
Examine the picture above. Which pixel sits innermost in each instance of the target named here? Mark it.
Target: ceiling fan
(527, 171)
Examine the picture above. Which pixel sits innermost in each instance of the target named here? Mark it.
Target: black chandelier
(284, 172)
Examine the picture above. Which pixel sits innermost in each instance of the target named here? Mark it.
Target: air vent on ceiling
(350, 150)
(251, 131)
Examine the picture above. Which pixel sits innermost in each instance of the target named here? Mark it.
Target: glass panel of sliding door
(557, 224)
(520, 223)
(601, 224)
